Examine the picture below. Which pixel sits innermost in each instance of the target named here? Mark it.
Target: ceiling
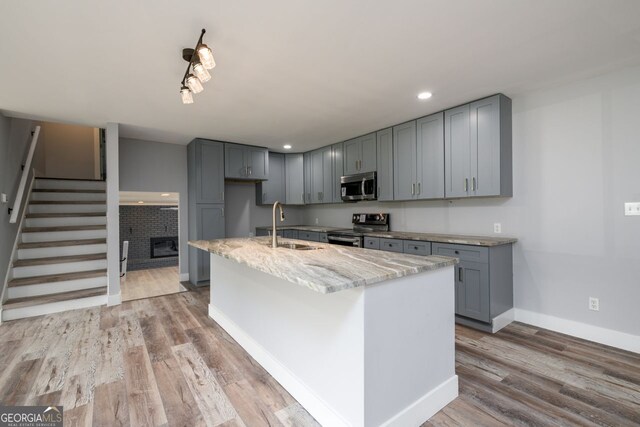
(300, 72)
(148, 198)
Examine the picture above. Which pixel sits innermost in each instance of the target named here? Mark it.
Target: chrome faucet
(274, 243)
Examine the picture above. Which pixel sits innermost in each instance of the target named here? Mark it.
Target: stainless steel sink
(297, 246)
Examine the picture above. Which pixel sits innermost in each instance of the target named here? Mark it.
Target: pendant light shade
(187, 96)
(206, 56)
(201, 72)
(194, 84)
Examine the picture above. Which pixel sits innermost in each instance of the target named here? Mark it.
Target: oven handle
(343, 239)
(363, 181)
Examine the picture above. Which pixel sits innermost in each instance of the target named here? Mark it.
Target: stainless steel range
(362, 223)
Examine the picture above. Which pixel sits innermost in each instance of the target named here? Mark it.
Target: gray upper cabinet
(206, 171)
(430, 157)
(273, 189)
(321, 176)
(384, 148)
(478, 149)
(294, 178)
(246, 162)
(337, 164)
(360, 154)
(307, 177)
(404, 161)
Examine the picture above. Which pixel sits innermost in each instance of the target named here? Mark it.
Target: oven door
(358, 187)
(354, 241)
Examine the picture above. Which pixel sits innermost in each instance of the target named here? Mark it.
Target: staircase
(61, 258)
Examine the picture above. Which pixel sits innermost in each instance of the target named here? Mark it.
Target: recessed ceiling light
(287, 147)
(424, 95)
(165, 194)
(140, 202)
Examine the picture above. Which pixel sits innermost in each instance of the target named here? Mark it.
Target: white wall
(67, 151)
(576, 159)
(242, 215)
(158, 167)
(113, 213)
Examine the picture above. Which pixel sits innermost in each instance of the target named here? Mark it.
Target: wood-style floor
(149, 283)
(163, 361)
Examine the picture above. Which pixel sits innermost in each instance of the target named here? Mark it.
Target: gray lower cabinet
(207, 224)
(414, 247)
(391, 245)
(294, 179)
(484, 280)
(313, 236)
(478, 149)
(246, 162)
(372, 243)
(337, 168)
(273, 189)
(290, 234)
(384, 148)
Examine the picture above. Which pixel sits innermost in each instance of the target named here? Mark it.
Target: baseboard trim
(317, 407)
(427, 406)
(585, 331)
(502, 320)
(184, 277)
(114, 299)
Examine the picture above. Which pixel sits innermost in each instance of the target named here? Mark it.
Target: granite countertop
(459, 239)
(331, 268)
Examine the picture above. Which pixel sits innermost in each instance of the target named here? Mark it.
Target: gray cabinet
(478, 149)
(384, 149)
(414, 247)
(321, 176)
(313, 236)
(391, 245)
(294, 178)
(484, 282)
(337, 165)
(307, 177)
(290, 234)
(208, 224)
(246, 162)
(372, 243)
(418, 159)
(360, 154)
(273, 189)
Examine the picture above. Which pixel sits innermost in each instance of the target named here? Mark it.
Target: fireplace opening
(163, 247)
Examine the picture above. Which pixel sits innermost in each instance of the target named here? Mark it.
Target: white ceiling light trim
(424, 95)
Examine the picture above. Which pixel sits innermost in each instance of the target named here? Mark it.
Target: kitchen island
(358, 337)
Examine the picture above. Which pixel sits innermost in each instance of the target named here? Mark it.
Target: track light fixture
(200, 61)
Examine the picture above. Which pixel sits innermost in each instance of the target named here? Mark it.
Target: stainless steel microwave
(360, 186)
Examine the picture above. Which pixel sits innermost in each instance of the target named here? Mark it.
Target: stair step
(51, 298)
(67, 202)
(52, 278)
(64, 215)
(68, 184)
(45, 178)
(66, 190)
(63, 228)
(58, 260)
(61, 243)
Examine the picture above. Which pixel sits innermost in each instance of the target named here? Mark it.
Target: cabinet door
(337, 163)
(352, 156)
(430, 157)
(294, 184)
(326, 195)
(485, 147)
(258, 162)
(234, 161)
(210, 219)
(457, 152)
(368, 158)
(384, 148)
(273, 189)
(317, 176)
(307, 177)
(472, 290)
(209, 164)
(404, 161)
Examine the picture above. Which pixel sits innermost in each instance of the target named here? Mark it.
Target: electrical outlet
(632, 208)
(317, 221)
(3, 198)
(497, 228)
(594, 304)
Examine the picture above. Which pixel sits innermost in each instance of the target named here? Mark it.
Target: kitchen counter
(331, 268)
(460, 239)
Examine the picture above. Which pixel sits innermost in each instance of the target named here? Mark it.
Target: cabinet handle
(466, 185)
(473, 184)
(250, 171)
(264, 197)
(222, 212)
(419, 185)
(460, 274)
(318, 195)
(302, 197)
(413, 189)
(378, 191)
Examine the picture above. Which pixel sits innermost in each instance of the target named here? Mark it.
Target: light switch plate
(3, 198)
(632, 208)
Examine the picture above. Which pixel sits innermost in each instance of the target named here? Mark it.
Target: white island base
(380, 354)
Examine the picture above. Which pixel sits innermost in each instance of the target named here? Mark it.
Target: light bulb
(187, 97)
(206, 56)
(424, 95)
(201, 72)
(194, 84)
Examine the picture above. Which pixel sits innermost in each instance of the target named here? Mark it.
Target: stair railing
(26, 168)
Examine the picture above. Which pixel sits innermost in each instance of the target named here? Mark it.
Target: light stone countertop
(331, 268)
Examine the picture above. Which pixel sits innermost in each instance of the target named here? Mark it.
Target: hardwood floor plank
(463, 412)
(249, 404)
(145, 404)
(79, 416)
(612, 406)
(295, 415)
(155, 339)
(17, 385)
(209, 395)
(110, 405)
(131, 329)
(208, 346)
(110, 363)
